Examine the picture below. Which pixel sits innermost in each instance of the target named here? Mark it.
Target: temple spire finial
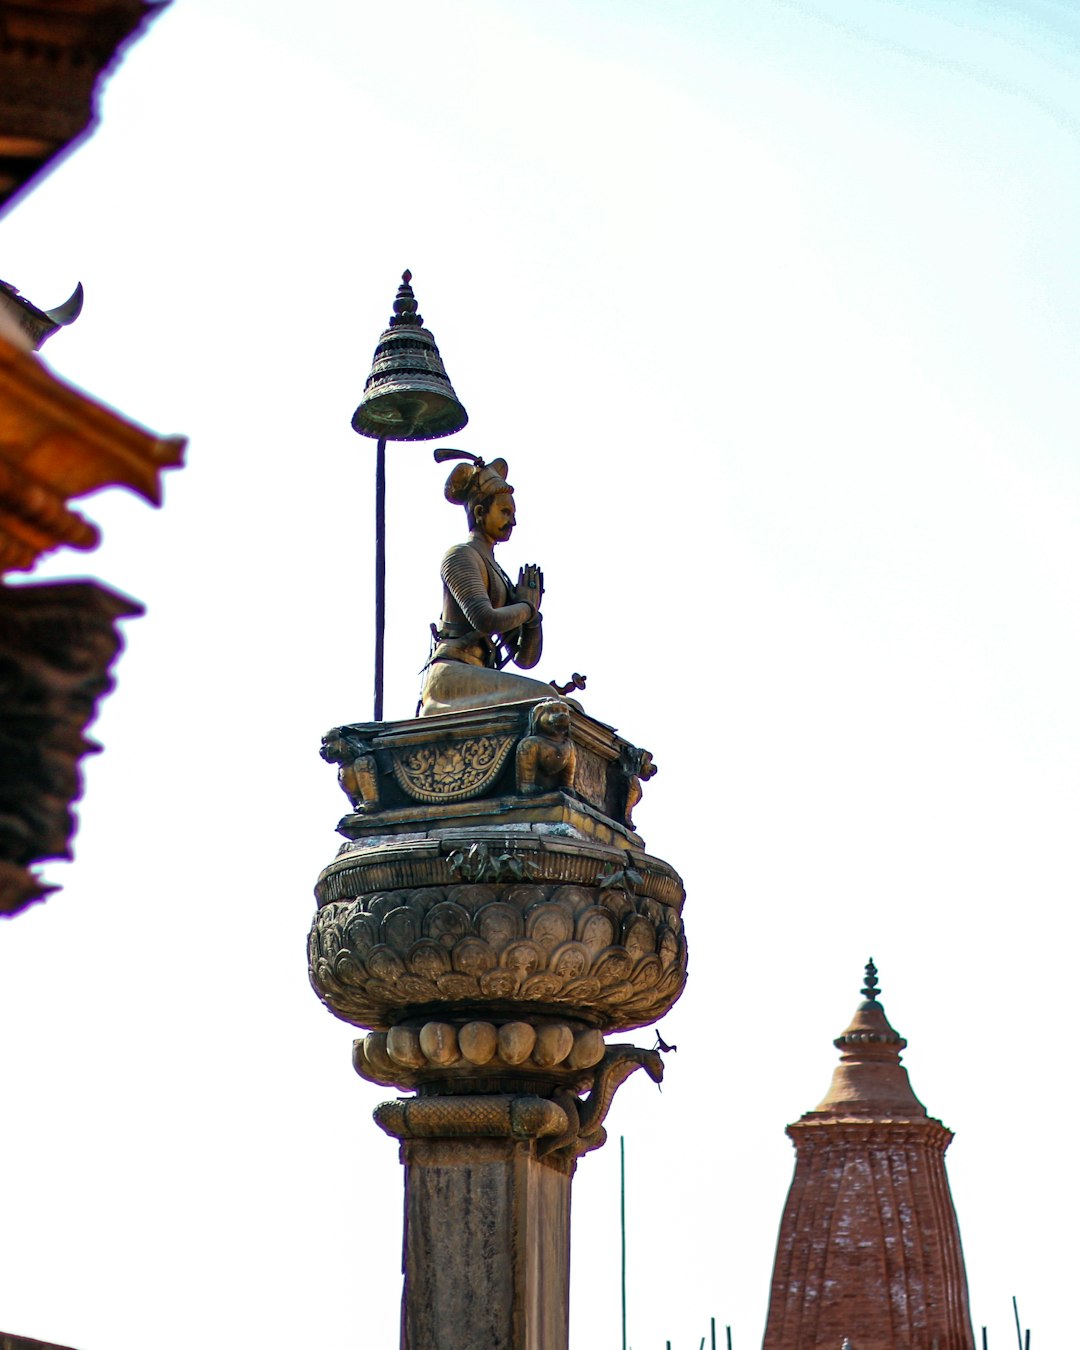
(870, 988)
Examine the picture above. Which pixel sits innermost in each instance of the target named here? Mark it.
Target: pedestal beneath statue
(492, 915)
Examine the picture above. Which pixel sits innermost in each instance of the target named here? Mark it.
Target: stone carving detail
(479, 863)
(546, 757)
(639, 767)
(451, 771)
(498, 856)
(489, 1116)
(564, 1124)
(357, 772)
(391, 767)
(585, 1119)
(409, 1054)
(604, 955)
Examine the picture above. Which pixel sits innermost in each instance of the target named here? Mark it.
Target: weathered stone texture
(487, 1232)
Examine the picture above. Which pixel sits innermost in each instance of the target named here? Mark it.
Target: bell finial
(405, 315)
(870, 989)
(408, 395)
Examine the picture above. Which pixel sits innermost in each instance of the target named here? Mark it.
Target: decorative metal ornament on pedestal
(407, 397)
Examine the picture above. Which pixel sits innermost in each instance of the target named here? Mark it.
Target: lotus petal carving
(600, 954)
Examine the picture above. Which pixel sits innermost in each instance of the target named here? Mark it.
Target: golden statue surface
(487, 621)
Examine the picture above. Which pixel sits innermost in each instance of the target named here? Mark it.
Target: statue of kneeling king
(487, 620)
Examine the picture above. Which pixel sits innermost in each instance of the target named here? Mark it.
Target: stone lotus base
(489, 920)
(590, 932)
(459, 1057)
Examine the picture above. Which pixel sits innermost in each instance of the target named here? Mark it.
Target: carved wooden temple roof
(53, 55)
(57, 641)
(56, 443)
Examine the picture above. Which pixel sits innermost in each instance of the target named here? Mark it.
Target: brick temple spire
(869, 1247)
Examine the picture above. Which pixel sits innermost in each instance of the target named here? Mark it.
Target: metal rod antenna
(712, 1331)
(985, 1342)
(380, 573)
(622, 1222)
(1016, 1314)
(728, 1330)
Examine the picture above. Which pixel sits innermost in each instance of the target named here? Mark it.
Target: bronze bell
(408, 396)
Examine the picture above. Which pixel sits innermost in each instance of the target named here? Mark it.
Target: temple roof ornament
(38, 325)
(870, 1080)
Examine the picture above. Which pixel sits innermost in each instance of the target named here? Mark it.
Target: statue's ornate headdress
(474, 480)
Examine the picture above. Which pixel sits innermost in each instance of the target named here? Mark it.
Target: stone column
(490, 940)
(487, 1241)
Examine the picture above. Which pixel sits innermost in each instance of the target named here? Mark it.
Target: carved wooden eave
(54, 55)
(57, 443)
(58, 643)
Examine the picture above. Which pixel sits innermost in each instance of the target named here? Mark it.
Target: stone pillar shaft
(487, 1246)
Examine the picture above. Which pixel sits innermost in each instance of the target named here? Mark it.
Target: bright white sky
(773, 309)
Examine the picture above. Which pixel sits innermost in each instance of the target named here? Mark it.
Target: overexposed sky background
(773, 309)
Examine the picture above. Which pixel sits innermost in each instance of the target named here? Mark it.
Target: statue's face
(498, 521)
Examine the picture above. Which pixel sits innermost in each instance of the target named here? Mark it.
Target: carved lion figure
(546, 757)
(639, 768)
(358, 773)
